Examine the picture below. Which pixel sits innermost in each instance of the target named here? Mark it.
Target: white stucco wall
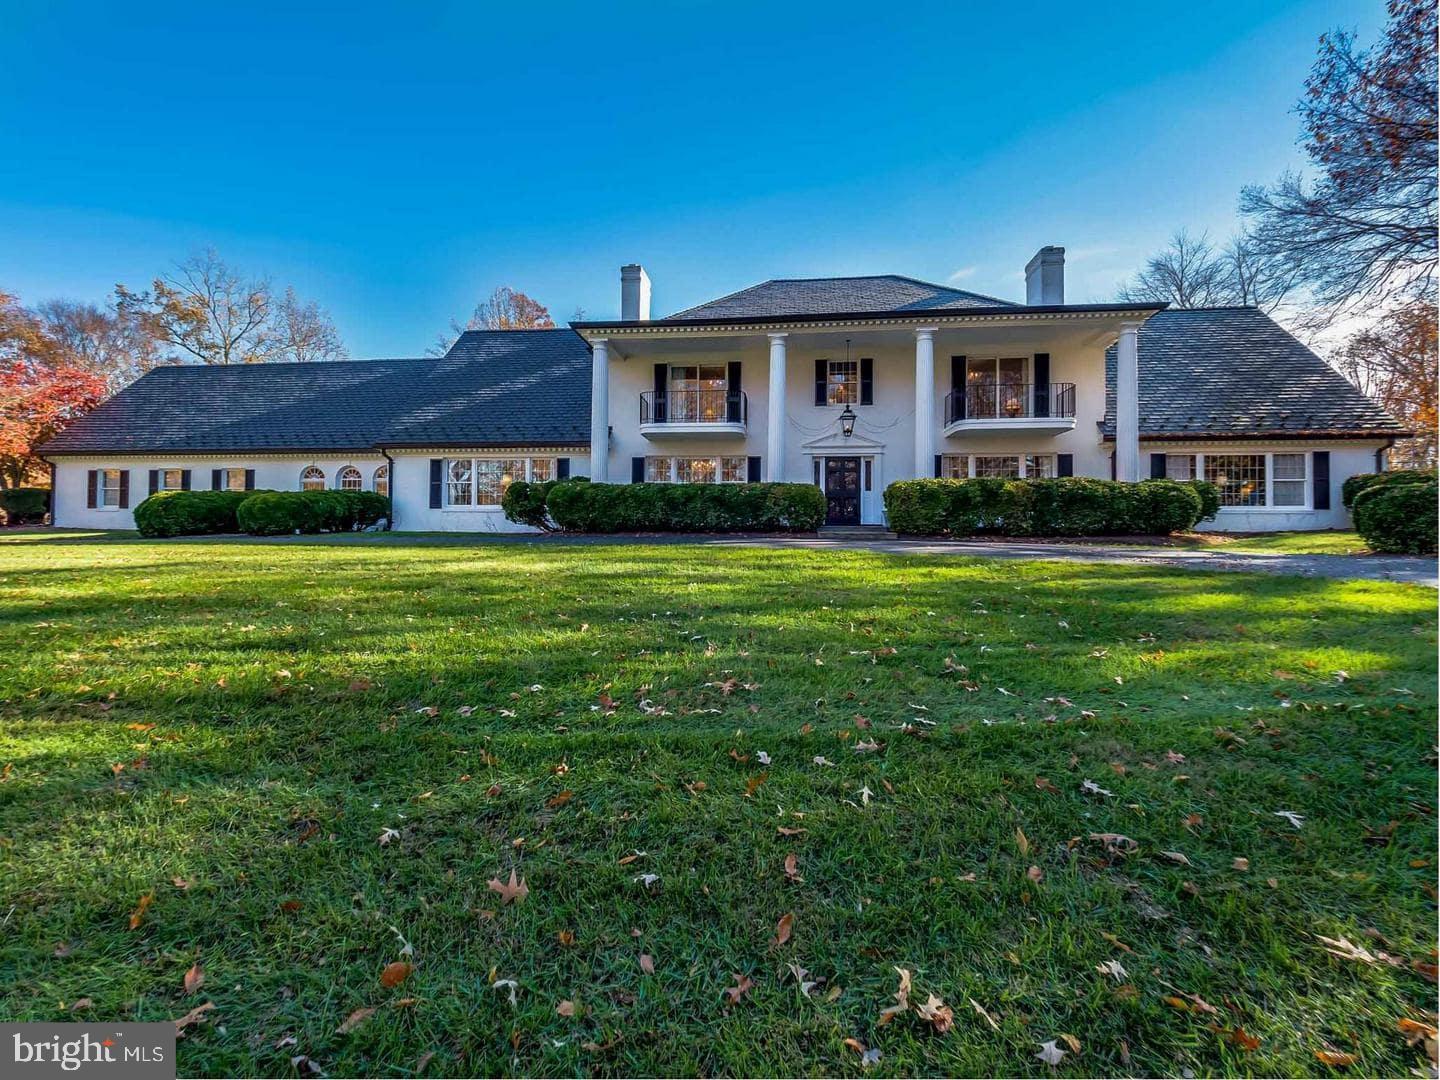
(411, 491)
(279, 472)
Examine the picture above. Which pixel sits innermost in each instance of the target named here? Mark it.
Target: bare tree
(507, 309)
(1396, 362)
(1191, 273)
(302, 332)
(1364, 231)
(99, 340)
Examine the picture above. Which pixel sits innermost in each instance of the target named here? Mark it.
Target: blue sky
(397, 164)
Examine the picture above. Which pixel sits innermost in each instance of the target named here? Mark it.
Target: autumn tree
(36, 402)
(1395, 361)
(1192, 273)
(213, 315)
(102, 341)
(1363, 231)
(505, 309)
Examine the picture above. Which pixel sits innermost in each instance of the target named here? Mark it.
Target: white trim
(1268, 506)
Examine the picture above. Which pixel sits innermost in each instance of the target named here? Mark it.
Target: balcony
(693, 412)
(1033, 408)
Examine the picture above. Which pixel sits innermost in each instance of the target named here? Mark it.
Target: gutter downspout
(390, 471)
(50, 499)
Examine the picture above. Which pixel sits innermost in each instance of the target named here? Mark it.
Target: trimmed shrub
(1399, 518)
(1209, 498)
(281, 513)
(580, 506)
(1070, 506)
(1365, 481)
(524, 504)
(189, 513)
(24, 506)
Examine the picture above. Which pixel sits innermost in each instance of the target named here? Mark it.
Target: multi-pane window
(482, 481)
(233, 479)
(172, 479)
(1004, 466)
(1240, 478)
(350, 479)
(1287, 479)
(697, 392)
(1179, 466)
(381, 480)
(995, 387)
(696, 470)
(842, 382)
(109, 488)
(312, 479)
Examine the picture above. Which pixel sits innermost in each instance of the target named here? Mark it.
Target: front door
(842, 491)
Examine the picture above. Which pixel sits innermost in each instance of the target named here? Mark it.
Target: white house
(846, 383)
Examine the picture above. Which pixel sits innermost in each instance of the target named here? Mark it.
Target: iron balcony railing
(1010, 401)
(693, 407)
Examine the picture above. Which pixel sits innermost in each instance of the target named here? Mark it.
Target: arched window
(312, 478)
(349, 479)
(382, 480)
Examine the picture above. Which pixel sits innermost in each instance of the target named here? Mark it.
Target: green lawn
(312, 757)
(1330, 542)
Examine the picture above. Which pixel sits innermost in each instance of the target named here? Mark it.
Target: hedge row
(1398, 517)
(261, 513)
(580, 506)
(1072, 506)
(1365, 481)
(24, 506)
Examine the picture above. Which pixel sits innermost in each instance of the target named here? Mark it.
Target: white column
(924, 402)
(600, 410)
(1127, 403)
(775, 412)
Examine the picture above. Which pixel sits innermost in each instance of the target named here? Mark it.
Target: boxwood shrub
(580, 506)
(1071, 506)
(189, 513)
(524, 502)
(281, 513)
(24, 506)
(1365, 481)
(1399, 518)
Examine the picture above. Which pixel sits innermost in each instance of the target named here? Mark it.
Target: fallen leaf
(1071, 1041)
(743, 983)
(792, 868)
(647, 963)
(937, 1014)
(1238, 1037)
(1334, 1058)
(354, 1020)
(560, 799)
(902, 999)
(1291, 816)
(1240, 863)
(1043, 784)
(511, 892)
(1113, 968)
(138, 915)
(565, 1008)
(194, 978)
(752, 785)
(1035, 874)
(1176, 857)
(783, 929)
(565, 937)
(194, 1016)
(783, 831)
(980, 1010)
(81, 1003)
(1050, 1053)
(1022, 842)
(395, 973)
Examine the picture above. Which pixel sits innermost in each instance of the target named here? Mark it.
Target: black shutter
(437, 493)
(661, 384)
(1064, 464)
(1040, 372)
(867, 380)
(249, 479)
(1113, 466)
(939, 464)
(1320, 477)
(562, 468)
(752, 470)
(1157, 466)
(90, 485)
(637, 470)
(732, 395)
(184, 479)
(215, 480)
(124, 489)
(154, 481)
(956, 411)
(820, 372)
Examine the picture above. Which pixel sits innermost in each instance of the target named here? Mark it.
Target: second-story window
(697, 392)
(842, 382)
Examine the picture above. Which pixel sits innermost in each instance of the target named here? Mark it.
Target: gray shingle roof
(843, 295)
(1233, 372)
(493, 388)
(501, 388)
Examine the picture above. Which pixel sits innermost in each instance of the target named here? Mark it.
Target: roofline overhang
(905, 318)
(315, 451)
(1268, 436)
(483, 444)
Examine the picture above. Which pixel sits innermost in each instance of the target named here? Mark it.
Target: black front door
(842, 491)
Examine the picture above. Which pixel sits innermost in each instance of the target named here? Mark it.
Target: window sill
(471, 509)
